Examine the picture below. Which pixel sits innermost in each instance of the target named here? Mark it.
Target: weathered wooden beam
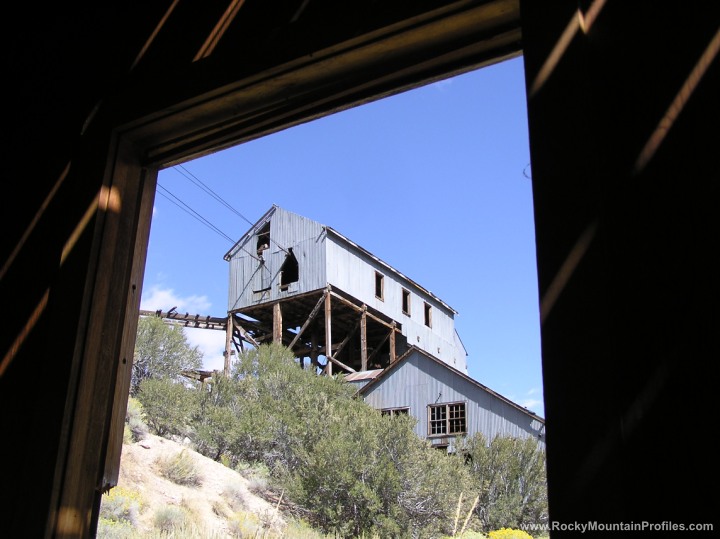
(360, 309)
(309, 320)
(363, 341)
(277, 323)
(347, 337)
(188, 320)
(393, 356)
(228, 342)
(243, 332)
(328, 329)
(339, 364)
(378, 348)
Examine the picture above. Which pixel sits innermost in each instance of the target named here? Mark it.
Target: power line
(187, 209)
(199, 183)
(195, 215)
(194, 179)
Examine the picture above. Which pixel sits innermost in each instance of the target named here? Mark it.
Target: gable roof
(414, 349)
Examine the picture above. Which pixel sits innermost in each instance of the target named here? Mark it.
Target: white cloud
(165, 298)
(211, 343)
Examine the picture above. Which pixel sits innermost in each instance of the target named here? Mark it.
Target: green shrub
(114, 529)
(234, 494)
(134, 421)
(180, 468)
(299, 529)
(244, 524)
(121, 505)
(171, 518)
(167, 406)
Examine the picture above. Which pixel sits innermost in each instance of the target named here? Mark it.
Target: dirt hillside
(219, 506)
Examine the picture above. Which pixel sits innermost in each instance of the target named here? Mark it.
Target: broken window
(289, 272)
(446, 419)
(263, 238)
(379, 285)
(406, 302)
(395, 411)
(428, 315)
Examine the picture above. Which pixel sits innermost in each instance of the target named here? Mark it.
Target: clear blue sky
(434, 181)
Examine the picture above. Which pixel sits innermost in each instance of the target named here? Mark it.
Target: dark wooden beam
(309, 320)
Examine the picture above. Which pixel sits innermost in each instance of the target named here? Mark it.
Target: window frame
(398, 410)
(427, 313)
(406, 302)
(380, 286)
(447, 419)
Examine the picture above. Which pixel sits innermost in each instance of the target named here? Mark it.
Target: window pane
(456, 413)
(438, 423)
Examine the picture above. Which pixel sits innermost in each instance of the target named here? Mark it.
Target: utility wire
(195, 215)
(180, 204)
(194, 179)
(199, 183)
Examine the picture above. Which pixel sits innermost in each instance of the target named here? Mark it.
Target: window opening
(379, 285)
(406, 302)
(428, 315)
(289, 272)
(395, 411)
(447, 419)
(263, 238)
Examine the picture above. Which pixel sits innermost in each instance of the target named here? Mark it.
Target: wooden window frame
(447, 420)
(395, 411)
(427, 313)
(406, 301)
(380, 286)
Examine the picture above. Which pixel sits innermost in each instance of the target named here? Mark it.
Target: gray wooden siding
(419, 382)
(287, 230)
(354, 273)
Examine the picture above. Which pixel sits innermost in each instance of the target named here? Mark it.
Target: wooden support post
(228, 343)
(277, 323)
(328, 332)
(363, 341)
(392, 344)
(314, 349)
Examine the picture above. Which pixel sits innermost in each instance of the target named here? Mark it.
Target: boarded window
(406, 302)
(379, 285)
(428, 315)
(263, 238)
(289, 272)
(446, 419)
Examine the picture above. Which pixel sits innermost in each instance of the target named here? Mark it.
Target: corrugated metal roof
(363, 375)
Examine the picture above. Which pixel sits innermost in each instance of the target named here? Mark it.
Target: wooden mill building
(339, 307)
(296, 281)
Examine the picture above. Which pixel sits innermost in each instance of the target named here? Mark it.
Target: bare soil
(213, 505)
